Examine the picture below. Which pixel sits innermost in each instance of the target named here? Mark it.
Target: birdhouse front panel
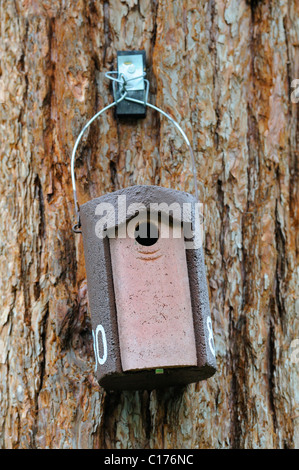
(153, 302)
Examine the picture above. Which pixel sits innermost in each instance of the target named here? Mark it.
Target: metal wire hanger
(123, 91)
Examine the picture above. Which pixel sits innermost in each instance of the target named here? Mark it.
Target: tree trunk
(224, 71)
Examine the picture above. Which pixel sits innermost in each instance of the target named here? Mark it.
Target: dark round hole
(146, 234)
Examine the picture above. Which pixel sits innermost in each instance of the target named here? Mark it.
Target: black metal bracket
(131, 68)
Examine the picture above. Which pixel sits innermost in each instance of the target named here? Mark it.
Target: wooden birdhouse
(147, 289)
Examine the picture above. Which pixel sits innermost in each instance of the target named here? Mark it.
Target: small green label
(159, 371)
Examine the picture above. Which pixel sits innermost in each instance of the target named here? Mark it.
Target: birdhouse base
(150, 380)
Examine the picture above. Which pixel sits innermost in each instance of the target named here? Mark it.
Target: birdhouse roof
(122, 205)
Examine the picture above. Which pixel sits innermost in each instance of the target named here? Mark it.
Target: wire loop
(123, 92)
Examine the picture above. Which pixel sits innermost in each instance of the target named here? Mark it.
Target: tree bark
(224, 71)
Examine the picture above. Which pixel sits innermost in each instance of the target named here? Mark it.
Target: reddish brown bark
(224, 71)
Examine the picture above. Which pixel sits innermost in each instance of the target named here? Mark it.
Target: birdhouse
(145, 269)
(147, 289)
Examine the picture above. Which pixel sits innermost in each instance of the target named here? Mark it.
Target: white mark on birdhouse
(99, 360)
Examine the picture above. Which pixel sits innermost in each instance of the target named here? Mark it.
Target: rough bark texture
(223, 69)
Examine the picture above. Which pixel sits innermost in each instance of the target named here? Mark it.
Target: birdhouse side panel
(201, 311)
(101, 298)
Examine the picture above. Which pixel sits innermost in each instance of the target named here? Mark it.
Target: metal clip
(131, 70)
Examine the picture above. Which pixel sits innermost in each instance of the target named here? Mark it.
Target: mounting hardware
(123, 94)
(131, 68)
(75, 228)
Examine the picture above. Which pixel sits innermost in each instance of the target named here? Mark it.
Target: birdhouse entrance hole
(146, 233)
